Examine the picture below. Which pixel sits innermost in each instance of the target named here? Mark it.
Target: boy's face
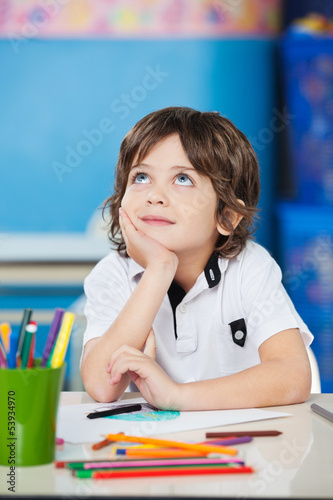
(167, 199)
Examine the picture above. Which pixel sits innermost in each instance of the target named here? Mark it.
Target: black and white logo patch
(238, 331)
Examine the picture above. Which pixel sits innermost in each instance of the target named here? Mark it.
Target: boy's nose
(157, 196)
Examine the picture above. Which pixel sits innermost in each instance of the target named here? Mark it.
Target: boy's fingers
(124, 350)
(122, 213)
(124, 219)
(127, 227)
(131, 363)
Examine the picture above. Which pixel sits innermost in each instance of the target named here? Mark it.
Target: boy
(186, 286)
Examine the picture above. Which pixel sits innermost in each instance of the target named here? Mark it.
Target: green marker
(75, 465)
(49, 360)
(83, 473)
(25, 320)
(29, 331)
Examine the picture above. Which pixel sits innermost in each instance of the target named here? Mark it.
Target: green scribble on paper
(150, 416)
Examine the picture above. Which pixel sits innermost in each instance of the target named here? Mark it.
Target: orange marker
(5, 332)
(201, 448)
(158, 453)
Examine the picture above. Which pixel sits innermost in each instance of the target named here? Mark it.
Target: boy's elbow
(100, 395)
(100, 392)
(303, 393)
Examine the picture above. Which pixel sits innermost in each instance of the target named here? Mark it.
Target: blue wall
(55, 172)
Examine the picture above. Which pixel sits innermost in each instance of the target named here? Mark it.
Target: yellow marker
(5, 331)
(61, 345)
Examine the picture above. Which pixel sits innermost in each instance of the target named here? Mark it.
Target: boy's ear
(234, 218)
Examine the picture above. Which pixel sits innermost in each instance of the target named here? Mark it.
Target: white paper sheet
(74, 426)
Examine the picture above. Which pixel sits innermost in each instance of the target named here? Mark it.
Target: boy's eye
(183, 180)
(141, 178)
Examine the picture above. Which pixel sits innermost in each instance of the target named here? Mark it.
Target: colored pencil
(11, 357)
(52, 335)
(201, 448)
(158, 463)
(30, 363)
(3, 357)
(101, 444)
(115, 411)
(90, 472)
(17, 348)
(242, 433)
(30, 329)
(219, 442)
(230, 441)
(158, 453)
(322, 412)
(25, 321)
(5, 332)
(61, 344)
(70, 465)
(163, 472)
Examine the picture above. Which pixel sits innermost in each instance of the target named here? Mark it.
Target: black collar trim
(212, 271)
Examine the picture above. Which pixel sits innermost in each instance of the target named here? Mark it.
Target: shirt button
(239, 335)
(183, 308)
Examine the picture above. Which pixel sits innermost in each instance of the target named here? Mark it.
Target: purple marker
(53, 332)
(231, 441)
(3, 360)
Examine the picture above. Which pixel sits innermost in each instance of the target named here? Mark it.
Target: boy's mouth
(156, 220)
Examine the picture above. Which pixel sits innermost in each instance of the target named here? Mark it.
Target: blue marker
(13, 343)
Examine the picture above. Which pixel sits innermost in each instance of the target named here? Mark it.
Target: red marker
(32, 351)
(169, 472)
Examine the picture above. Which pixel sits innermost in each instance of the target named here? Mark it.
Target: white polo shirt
(217, 327)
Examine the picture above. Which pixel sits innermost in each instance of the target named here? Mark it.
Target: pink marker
(151, 463)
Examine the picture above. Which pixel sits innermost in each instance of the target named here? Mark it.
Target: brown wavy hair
(216, 148)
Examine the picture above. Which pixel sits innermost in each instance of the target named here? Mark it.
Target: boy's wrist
(168, 267)
(180, 396)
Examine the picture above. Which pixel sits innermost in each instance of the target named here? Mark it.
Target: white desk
(297, 464)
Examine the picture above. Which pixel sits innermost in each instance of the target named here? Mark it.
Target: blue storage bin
(308, 76)
(306, 243)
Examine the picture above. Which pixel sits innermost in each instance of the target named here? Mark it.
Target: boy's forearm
(275, 382)
(131, 327)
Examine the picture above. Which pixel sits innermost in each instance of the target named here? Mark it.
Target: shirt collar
(212, 271)
(134, 268)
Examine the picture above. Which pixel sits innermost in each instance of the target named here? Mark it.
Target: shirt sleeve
(268, 307)
(107, 289)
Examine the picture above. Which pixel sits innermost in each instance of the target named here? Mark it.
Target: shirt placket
(187, 339)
